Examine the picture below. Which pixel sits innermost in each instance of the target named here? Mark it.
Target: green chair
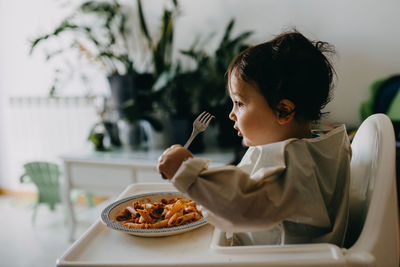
(46, 177)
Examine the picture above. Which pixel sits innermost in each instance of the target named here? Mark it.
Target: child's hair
(288, 67)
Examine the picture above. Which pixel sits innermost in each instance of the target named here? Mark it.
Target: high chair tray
(102, 246)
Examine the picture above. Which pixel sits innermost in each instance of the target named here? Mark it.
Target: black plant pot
(99, 141)
(132, 135)
(121, 90)
(181, 129)
(113, 133)
(131, 97)
(129, 87)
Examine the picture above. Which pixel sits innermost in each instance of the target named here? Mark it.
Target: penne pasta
(175, 208)
(160, 224)
(145, 215)
(187, 217)
(162, 214)
(134, 225)
(131, 210)
(171, 221)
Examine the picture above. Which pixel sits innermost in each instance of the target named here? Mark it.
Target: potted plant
(210, 70)
(102, 32)
(204, 87)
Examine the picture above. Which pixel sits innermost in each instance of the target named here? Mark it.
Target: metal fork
(200, 124)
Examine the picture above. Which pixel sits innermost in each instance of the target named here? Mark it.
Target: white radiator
(42, 128)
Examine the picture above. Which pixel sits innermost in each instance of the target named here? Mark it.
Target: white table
(108, 173)
(102, 246)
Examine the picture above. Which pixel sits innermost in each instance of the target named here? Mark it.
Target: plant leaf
(163, 80)
(143, 24)
(227, 33)
(64, 26)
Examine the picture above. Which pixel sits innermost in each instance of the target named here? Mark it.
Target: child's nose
(232, 115)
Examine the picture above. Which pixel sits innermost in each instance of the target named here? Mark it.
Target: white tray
(102, 246)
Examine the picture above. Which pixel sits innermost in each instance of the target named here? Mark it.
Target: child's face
(254, 119)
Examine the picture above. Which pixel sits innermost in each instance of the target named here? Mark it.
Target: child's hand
(170, 161)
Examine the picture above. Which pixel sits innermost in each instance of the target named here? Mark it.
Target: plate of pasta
(153, 214)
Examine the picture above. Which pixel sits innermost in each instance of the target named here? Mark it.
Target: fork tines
(205, 117)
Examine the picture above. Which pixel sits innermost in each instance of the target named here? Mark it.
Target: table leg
(66, 198)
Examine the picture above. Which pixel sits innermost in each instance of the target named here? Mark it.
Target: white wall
(365, 32)
(24, 75)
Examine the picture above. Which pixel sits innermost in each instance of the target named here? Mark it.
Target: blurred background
(112, 76)
(63, 64)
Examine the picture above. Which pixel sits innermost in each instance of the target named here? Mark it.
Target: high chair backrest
(373, 223)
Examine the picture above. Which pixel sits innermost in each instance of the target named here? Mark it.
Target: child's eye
(239, 104)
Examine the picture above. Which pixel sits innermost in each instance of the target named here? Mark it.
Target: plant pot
(181, 130)
(130, 87)
(113, 133)
(121, 90)
(98, 141)
(131, 135)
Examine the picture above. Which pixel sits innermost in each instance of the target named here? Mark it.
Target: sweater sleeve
(230, 199)
(243, 200)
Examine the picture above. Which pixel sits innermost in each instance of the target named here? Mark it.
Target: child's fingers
(171, 148)
(172, 158)
(166, 169)
(164, 166)
(160, 164)
(177, 151)
(161, 170)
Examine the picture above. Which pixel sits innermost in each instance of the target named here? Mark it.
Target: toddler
(291, 186)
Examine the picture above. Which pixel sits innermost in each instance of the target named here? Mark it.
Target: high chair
(373, 234)
(373, 222)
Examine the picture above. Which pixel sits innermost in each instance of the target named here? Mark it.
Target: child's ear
(285, 111)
